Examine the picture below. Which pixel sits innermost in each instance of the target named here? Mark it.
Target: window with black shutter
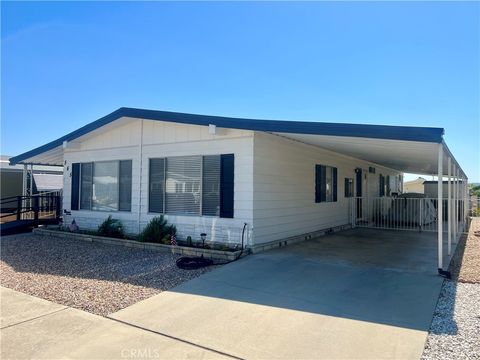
(325, 184)
(102, 186)
(192, 185)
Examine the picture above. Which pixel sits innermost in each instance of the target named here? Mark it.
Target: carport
(359, 293)
(422, 151)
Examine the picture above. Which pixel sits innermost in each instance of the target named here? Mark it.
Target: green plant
(157, 231)
(189, 241)
(111, 228)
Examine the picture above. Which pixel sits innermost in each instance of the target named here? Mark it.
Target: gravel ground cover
(455, 329)
(94, 277)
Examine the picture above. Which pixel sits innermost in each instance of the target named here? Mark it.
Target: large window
(325, 183)
(182, 185)
(192, 185)
(105, 186)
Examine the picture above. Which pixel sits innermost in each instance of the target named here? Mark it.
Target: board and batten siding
(139, 140)
(284, 188)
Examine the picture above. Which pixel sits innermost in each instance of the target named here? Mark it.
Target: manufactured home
(287, 180)
(17, 181)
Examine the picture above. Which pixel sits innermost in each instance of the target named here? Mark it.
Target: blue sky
(66, 64)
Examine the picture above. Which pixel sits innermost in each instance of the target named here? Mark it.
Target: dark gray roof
(409, 133)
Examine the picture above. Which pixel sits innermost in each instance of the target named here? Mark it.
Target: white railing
(474, 206)
(404, 213)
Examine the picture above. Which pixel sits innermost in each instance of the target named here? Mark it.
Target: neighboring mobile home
(285, 179)
(14, 178)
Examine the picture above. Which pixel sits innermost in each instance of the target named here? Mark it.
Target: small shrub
(111, 228)
(189, 241)
(157, 231)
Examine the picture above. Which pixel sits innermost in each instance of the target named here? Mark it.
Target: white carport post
(440, 206)
(449, 211)
(465, 202)
(24, 188)
(454, 212)
(457, 196)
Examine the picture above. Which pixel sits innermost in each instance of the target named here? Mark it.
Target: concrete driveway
(356, 294)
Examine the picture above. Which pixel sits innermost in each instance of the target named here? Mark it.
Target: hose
(197, 262)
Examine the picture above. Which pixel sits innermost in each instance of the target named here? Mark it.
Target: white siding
(163, 139)
(284, 188)
(274, 189)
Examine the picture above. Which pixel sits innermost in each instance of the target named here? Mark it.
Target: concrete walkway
(33, 328)
(360, 294)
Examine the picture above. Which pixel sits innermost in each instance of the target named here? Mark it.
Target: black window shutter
(318, 184)
(74, 199)
(323, 183)
(156, 185)
(382, 185)
(334, 176)
(125, 186)
(227, 165)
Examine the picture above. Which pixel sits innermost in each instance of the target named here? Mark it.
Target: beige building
(414, 186)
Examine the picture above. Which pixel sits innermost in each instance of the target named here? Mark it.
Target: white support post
(24, 188)
(457, 204)
(465, 203)
(31, 190)
(454, 210)
(440, 206)
(449, 206)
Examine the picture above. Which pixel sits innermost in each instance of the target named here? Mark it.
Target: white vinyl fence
(402, 213)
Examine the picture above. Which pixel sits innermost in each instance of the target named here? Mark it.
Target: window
(325, 184)
(211, 185)
(86, 178)
(104, 186)
(348, 187)
(192, 185)
(182, 185)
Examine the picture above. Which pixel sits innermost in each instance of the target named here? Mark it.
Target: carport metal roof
(403, 148)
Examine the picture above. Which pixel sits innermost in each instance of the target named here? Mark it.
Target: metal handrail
(38, 203)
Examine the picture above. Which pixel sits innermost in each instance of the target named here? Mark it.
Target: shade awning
(48, 182)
